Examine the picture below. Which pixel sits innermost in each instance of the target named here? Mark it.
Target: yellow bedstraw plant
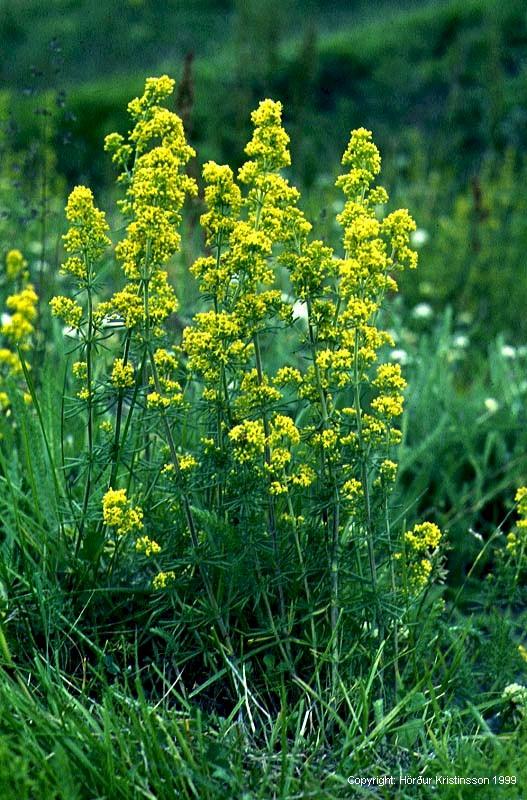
(255, 455)
(17, 323)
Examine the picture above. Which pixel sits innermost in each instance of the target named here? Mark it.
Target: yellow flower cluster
(256, 394)
(122, 374)
(10, 361)
(147, 546)
(248, 440)
(156, 186)
(68, 310)
(118, 513)
(342, 297)
(238, 276)
(213, 343)
(19, 327)
(353, 491)
(223, 199)
(420, 545)
(80, 372)
(187, 462)
(163, 579)
(269, 144)
(169, 391)
(16, 266)
(517, 540)
(125, 306)
(387, 474)
(86, 239)
(152, 161)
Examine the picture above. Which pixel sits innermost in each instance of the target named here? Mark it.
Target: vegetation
(263, 517)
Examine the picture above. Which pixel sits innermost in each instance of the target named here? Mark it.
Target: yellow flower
(248, 440)
(19, 327)
(122, 374)
(353, 491)
(80, 370)
(187, 462)
(86, 239)
(147, 546)
(118, 513)
(424, 536)
(16, 265)
(68, 310)
(163, 579)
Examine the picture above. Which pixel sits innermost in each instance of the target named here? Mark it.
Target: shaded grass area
(452, 74)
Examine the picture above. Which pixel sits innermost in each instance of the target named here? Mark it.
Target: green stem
(116, 448)
(89, 404)
(334, 539)
(271, 511)
(365, 486)
(187, 510)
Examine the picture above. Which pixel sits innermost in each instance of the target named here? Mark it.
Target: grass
(111, 690)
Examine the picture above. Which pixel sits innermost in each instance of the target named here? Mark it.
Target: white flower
(508, 351)
(460, 340)
(422, 311)
(491, 405)
(401, 356)
(419, 237)
(6, 319)
(515, 693)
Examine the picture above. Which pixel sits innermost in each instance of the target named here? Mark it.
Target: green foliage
(209, 586)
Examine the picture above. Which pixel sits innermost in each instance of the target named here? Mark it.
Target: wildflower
(422, 311)
(163, 579)
(248, 440)
(69, 311)
(16, 266)
(460, 340)
(419, 237)
(80, 370)
(491, 404)
(387, 473)
(304, 476)
(118, 513)
(400, 356)
(86, 239)
(156, 186)
(353, 491)
(516, 695)
(517, 540)
(147, 546)
(122, 374)
(19, 327)
(287, 375)
(424, 536)
(170, 393)
(187, 462)
(421, 544)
